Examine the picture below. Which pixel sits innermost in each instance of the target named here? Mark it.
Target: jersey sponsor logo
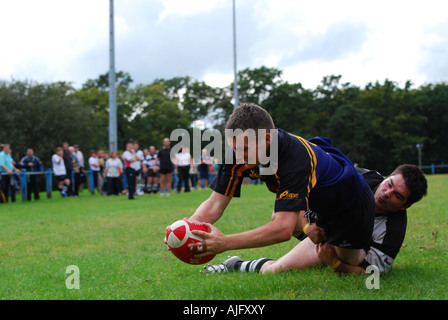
(344, 244)
(288, 195)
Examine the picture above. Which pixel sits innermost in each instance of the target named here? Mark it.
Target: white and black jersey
(388, 232)
(149, 160)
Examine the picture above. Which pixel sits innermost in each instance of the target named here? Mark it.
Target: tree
(289, 106)
(434, 106)
(199, 99)
(42, 117)
(154, 115)
(396, 119)
(377, 126)
(102, 83)
(352, 132)
(255, 85)
(95, 95)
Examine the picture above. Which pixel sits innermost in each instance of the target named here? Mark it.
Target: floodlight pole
(235, 82)
(419, 147)
(112, 91)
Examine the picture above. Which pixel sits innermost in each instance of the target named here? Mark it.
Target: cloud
(175, 9)
(51, 40)
(41, 35)
(170, 42)
(434, 57)
(339, 41)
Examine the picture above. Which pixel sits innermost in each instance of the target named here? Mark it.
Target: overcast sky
(364, 41)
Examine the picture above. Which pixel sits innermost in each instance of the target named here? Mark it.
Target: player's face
(392, 194)
(248, 148)
(246, 151)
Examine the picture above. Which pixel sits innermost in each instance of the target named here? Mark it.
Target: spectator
(204, 162)
(76, 171)
(112, 172)
(164, 165)
(60, 172)
(145, 169)
(80, 156)
(183, 164)
(193, 176)
(138, 167)
(33, 165)
(151, 175)
(94, 165)
(131, 164)
(102, 160)
(7, 169)
(68, 162)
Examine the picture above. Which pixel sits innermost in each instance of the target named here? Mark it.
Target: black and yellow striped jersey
(311, 174)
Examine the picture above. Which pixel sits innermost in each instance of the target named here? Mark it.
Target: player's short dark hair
(250, 116)
(415, 180)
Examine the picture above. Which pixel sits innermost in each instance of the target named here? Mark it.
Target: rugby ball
(179, 236)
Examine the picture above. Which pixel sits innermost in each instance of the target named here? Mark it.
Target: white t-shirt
(137, 165)
(113, 166)
(58, 165)
(92, 162)
(183, 159)
(128, 156)
(80, 157)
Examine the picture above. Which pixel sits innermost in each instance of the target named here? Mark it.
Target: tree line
(377, 126)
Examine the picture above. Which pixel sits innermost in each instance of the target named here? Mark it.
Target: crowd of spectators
(145, 171)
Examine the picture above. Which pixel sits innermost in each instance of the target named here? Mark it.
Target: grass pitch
(118, 248)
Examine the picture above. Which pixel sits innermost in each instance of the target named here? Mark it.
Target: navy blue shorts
(355, 227)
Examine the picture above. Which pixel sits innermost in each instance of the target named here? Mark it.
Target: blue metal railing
(433, 167)
(23, 175)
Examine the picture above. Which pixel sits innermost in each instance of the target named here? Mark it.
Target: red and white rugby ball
(179, 236)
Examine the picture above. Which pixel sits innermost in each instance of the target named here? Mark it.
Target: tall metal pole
(112, 91)
(419, 147)
(235, 82)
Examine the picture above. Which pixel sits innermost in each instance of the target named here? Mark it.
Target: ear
(405, 207)
(268, 138)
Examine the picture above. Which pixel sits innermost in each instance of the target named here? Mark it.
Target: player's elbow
(284, 225)
(284, 232)
(284, 236)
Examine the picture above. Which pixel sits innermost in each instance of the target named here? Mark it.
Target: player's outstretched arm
(211, 209)
(278, 230)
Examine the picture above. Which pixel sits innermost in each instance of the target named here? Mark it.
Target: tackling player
(311, 175)
(404, 186)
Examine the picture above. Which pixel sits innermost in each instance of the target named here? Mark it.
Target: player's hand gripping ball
(179, 236)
